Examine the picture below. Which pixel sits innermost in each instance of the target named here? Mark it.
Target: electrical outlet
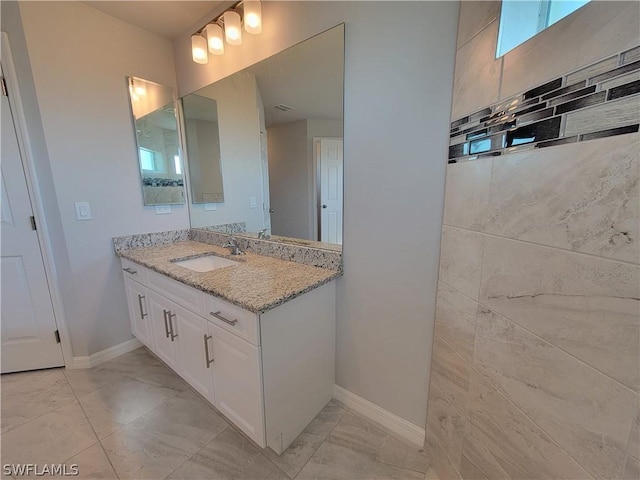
(163, 209)
(254, 202)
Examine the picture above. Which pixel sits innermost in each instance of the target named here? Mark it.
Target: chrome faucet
(262, 234)
(233, 247)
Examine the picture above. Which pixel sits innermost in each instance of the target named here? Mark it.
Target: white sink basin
(206, 263)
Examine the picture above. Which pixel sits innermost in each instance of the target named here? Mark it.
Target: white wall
(287, 147)
(239, 154)
(399, 61)
(79, 59)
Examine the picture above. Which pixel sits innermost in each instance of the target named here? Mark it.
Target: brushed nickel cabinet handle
(170, 316)
(166, 325)
(206, 350)
(142, 314)
(226, 320)
(129, 270)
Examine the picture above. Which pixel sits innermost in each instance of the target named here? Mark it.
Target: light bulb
(252, 16)
(199, 49)
(214, 38)
(232, 28)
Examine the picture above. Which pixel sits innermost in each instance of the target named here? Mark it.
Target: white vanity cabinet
(269, 374)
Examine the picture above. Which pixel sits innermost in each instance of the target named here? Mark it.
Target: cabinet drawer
(183, 295)
(134, 271)
(233, 319)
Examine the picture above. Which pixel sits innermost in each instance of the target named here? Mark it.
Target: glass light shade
(252, 16)
(214, 38)
(199, 49)
(232, 28)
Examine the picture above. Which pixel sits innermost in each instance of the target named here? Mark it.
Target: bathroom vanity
(256, 338)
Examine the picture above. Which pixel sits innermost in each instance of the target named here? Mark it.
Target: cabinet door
(137, 298)
(161, 313)
(237, 380)
(194, 345)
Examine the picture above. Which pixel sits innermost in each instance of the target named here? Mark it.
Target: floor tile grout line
(50, 411)
(99, 441)
(347, 409)
(196, 453)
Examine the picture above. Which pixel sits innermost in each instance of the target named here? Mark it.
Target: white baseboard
(398, 425)
(104, 355)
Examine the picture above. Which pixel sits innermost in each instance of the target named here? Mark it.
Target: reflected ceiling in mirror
(280, 128)
(156, 130)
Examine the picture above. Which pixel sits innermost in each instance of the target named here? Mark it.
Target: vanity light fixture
(215, 40)
(210, 38)
(199, 49)
(252, 16)
(232, 27)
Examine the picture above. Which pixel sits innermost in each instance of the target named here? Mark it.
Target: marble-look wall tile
(593, 32)
(474, 17)
(624, 111)
(466, 200)
(583, 197)
(477, 73)
(439, 460)
(504, 444)
(461, 260)
(632, 468)
(587, 306)
(456, 320)
(586, 412)
(470, 472)
(448, 400)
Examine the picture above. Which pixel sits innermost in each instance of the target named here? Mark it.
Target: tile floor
(133, 418)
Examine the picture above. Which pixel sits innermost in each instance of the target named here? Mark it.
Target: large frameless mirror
(278, 126)
(156, 129)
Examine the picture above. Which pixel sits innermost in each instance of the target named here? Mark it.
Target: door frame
(27, 159)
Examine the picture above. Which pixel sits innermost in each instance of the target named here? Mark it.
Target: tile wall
(536, 356)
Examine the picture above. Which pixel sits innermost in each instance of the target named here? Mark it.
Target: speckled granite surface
(149, 239)
(237, 227)
(316, 257)
(258, 283)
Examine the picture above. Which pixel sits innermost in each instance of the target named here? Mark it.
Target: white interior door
(331, 177)
(29, 339)
(264, 165)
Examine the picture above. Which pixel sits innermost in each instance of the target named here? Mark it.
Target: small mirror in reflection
(156, 129)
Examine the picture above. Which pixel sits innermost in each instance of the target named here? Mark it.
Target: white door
(331, 174)
(161, 317)
(194, 346)
(237, 380)
(29, 331)
(139, 311)
(264, 166)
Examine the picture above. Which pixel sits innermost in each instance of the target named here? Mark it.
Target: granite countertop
(258, 283)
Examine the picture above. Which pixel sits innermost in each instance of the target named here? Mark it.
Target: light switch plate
(163, 209)
(210, 207)
(83, 211)
(253, 201)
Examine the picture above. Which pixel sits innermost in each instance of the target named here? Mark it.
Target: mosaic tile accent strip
(599, 100)
(149, 239)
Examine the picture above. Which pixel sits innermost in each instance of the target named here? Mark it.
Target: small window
(150, 160)
(521, 20)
